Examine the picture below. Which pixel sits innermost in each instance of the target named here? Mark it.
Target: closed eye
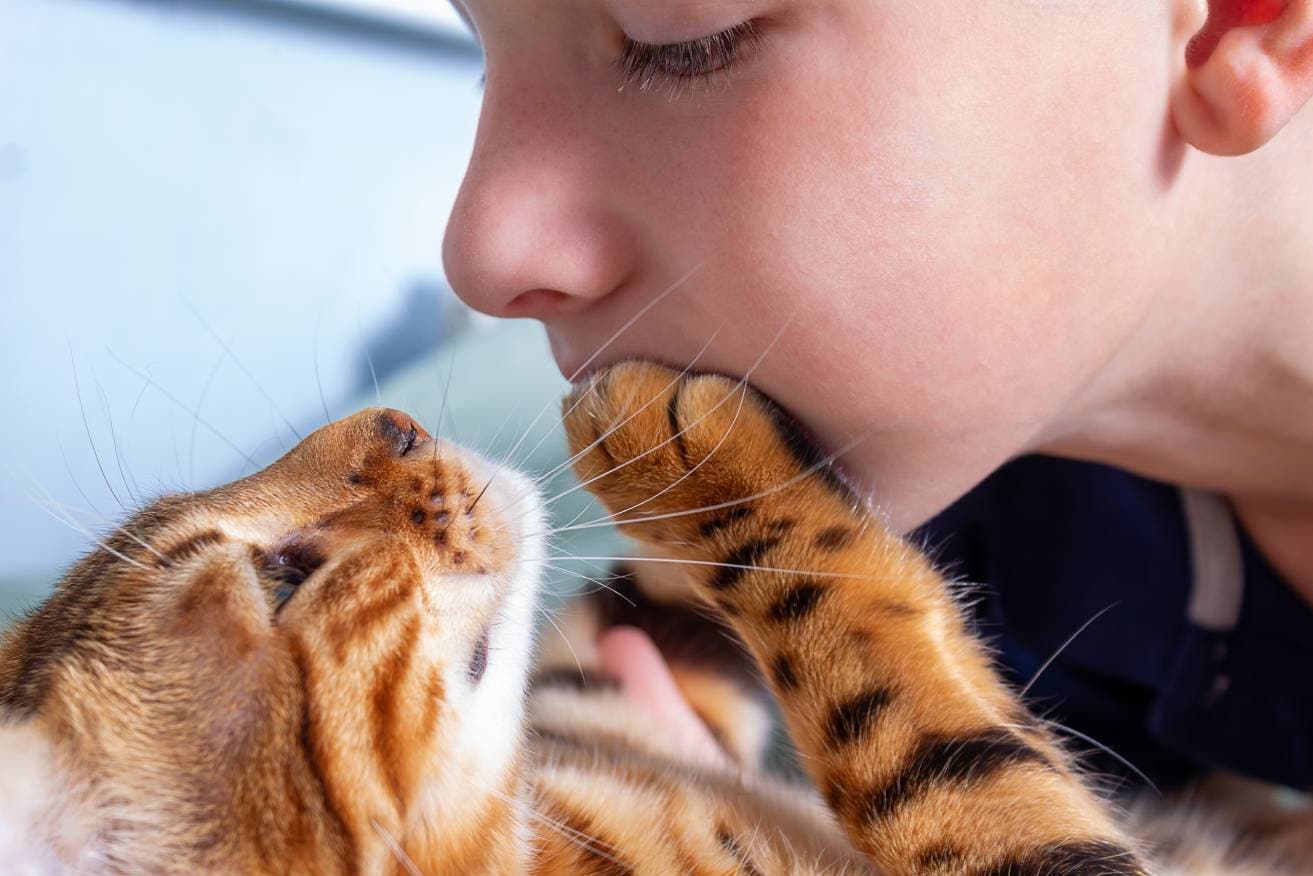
(653, 66)
(286, 569)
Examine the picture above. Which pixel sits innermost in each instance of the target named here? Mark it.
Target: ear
(33, 797)
(1247, 73)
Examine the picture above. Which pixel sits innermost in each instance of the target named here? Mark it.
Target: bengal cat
(327, 668)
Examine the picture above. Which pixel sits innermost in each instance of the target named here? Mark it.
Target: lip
(572, 366)
(582, 368)
(569, 365)
(578, 371)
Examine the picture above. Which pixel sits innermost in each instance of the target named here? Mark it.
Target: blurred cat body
(327, 667)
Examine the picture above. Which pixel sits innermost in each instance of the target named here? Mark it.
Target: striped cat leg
(930, 763)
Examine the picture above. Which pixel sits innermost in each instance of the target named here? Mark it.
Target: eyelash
(675, 67)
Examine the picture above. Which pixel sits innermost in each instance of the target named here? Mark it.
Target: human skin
(977, 230)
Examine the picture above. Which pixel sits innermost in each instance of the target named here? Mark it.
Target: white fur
(489, 735)
(29, 811)
(491, 726)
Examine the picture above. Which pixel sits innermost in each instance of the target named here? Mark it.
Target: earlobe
(1248, 72)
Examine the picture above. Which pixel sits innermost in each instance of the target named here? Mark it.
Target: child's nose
(533, 233)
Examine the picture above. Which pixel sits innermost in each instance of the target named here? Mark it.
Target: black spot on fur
(804, 449)
(190, 547)
(835, 793)
(938, 857)
(597, 855)
(740, 561)
(599, 442)
(955, 760)
(1089, 858)
(796, 603)
(724, 520)
(676, 430)
(835, 538)
(782, 670)
(853, 718)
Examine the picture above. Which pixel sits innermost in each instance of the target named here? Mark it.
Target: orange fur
(323, 669)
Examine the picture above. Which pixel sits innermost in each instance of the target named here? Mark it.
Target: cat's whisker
(314, 356)
(369, 357)
(575, 519)
(491, 442)
(446, 394)
(629, 323)
(90, 536)
(136, 402)
(108, 414)
(742, 385)
(1066, 644)
(1063, 728)
(784, 485)
(568, 644)
(743, 395)
(601, 584)
(565, 465)
(395, 848)
(200, 403)
(68, 469)
(564, 571)
(605, 570)
(648, 452)
(86, 425)
(176, 401)
(71, 512)
(713, 564)
(241, 366)
(442, 410)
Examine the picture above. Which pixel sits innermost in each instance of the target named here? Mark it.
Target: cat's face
(277, 663)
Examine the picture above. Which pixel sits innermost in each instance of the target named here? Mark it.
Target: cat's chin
(40, 830)
(491, 736)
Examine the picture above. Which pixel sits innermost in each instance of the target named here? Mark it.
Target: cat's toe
(651, 441)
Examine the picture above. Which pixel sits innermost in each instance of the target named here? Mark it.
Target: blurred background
(221, 225)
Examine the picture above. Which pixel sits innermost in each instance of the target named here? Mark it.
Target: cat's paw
(683, 450)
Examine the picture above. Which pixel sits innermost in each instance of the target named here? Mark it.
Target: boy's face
(954, 206)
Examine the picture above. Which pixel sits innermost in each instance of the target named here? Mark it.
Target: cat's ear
(33, 802)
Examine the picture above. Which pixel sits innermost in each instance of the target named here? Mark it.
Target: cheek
(931, 227)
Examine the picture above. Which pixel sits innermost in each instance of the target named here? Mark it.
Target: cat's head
(297, 670)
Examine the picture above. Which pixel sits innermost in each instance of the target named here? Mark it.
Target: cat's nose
(400, 432)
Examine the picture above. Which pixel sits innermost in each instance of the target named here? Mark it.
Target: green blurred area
(17, 595)
(496, 389)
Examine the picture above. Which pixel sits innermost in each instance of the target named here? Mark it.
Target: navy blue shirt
(1202, 657)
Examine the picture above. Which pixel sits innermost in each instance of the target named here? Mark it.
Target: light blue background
(282, 177)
